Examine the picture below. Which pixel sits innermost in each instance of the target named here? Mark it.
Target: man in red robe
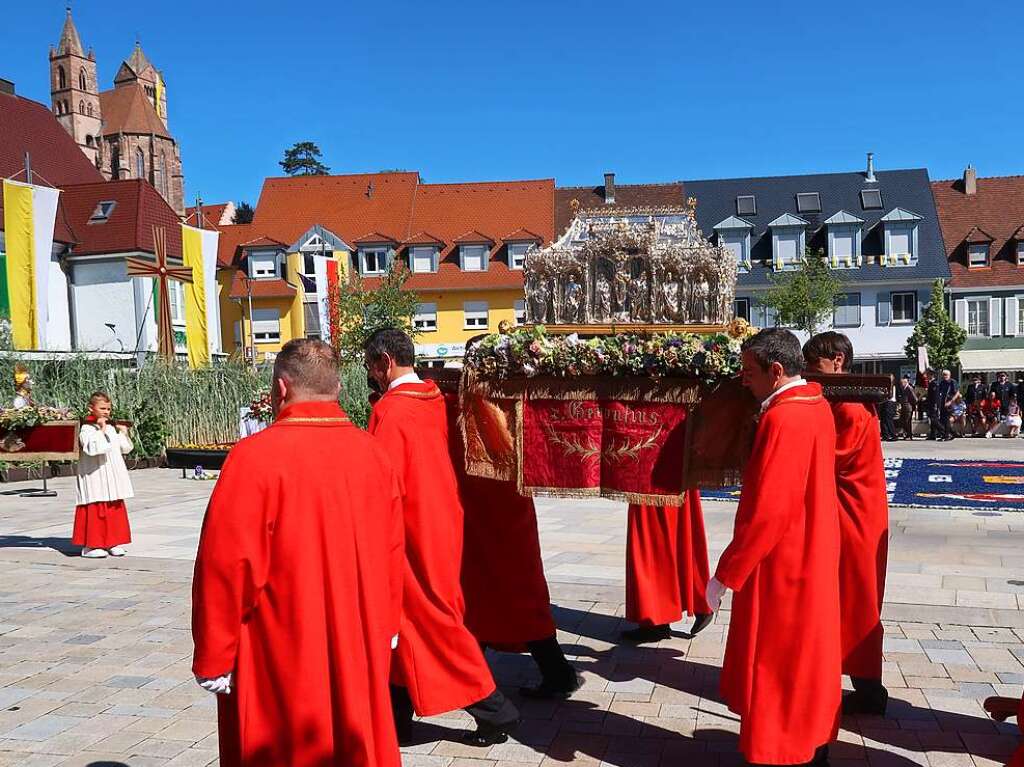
(440, 666)
(1002, 709)
(666, 569)
(298, 582)
(782, 672)
(863, 528)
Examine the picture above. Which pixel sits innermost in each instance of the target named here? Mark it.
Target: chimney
(609, 188)
(6, 86)
(970, 180)
(870, 175)
(369, 189)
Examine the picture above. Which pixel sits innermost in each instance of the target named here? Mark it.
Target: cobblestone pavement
(95, 655)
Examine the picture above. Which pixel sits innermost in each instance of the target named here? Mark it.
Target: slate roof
(997, 208)
(626, 196)
(776, 196)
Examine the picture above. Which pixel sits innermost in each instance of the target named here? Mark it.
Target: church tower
(74, 90)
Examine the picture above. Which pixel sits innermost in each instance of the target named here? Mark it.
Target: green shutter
(5, 299)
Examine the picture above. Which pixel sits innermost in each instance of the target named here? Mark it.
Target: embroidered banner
(634, 451)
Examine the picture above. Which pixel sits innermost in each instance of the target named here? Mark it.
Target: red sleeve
(231, 564)
(397, 570)
(387, 428)
(772, 497)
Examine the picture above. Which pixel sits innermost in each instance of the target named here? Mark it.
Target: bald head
(309, 370)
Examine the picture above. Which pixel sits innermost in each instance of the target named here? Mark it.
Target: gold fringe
(335, 419)
(679, 391)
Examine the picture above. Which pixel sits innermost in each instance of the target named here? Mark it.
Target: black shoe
(551, 691)
(703, 620)
(488, 734)
(868, 702)
(644, 634)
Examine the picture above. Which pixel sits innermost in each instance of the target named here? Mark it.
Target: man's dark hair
(310, 366)
(826, 346)
(392, 342)
(776, 345)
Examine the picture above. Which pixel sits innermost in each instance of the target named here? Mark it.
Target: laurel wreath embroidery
(612, 453)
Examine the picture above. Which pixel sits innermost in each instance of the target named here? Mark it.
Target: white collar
(777, 392)
(408, 378)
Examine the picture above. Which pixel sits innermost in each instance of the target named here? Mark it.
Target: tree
(937, 332)
(303, 159)
(243, 214)
(805, 298)
(358, 311)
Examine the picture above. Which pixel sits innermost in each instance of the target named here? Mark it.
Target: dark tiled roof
(997, 209)
(626, 196)
(907, 189)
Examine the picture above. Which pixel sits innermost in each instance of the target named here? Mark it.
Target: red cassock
(438, 659)
(101, 525)
(1017, 760)
(506, 593)
(863, 535)
(781, 672)
(666, 562)
(298, 589)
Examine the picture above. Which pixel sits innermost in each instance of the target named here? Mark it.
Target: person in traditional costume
(1002, 709)
(666, 569)
(863, 528)
(297, 595)
(102, 484)
(440, 666)
(782, 668)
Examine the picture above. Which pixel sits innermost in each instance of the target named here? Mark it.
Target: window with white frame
(1020, 315)
(847, 311)
(519, 307)
(901, 243)
(373, 260)
(1020, 253)
(474, 315)
(266, 326)
(977, 255)
(904, 307)
(473, 257)
(176, 300)
(263, 266)
(423, 258)
(842, 242)
(425, 318)
(788, 248)
(742, 309)
(517, 254)
(738, 241)
(977, 316)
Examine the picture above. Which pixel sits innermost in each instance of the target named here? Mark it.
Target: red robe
(101, 525)
(666, 562)
(438, 659)
(863, 535)
(782, 668)
(1017, 760)
(297, 591)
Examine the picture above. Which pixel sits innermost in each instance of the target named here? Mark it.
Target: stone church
(122, 130)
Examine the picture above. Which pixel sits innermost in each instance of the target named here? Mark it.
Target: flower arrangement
(14, 419)
(261, 410)
(532, 352)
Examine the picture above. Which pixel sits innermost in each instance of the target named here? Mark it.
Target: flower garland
(532, 352)
(14, 419)
(261, 410)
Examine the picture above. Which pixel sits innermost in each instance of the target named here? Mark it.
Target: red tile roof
(522, 235)
(423, 238)
(273, 288)
(129, 227)
(350, 206)
(212, 215)
(997, 208)
(473, 237)
(979, 235)
(231, 237)
(28, 126)
(127, 109)
(626, 196)
(374, 237)
(262, 241)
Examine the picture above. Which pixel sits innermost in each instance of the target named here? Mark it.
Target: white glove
(220, 685)
(715, 591)
(394, 642)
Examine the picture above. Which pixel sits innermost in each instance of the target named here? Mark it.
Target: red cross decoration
(162, 272)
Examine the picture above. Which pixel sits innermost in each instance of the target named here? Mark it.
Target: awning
(991, 360)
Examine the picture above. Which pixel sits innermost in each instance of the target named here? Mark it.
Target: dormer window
(473, 258)
(373, 260)
(102, 212)
(423, 259)
(900, 237)
(734, 234)
(808, 202)
(263, 264)
(871, 199)
(844, 239)
(1020, 253)
(517, 254)
(746, 205)
(789, 235)
(977, 255)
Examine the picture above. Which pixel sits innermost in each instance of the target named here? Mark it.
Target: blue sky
(654, 91)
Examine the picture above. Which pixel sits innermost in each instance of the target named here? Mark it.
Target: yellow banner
(21, 265)
(160, 95)
(196, 329)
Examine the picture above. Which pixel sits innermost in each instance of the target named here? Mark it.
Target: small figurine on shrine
(573, 304)
(22, 387)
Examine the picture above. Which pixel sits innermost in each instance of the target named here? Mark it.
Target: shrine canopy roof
(776, 198)
(626, 197)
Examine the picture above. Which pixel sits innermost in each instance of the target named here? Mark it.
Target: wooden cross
(162, 272)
